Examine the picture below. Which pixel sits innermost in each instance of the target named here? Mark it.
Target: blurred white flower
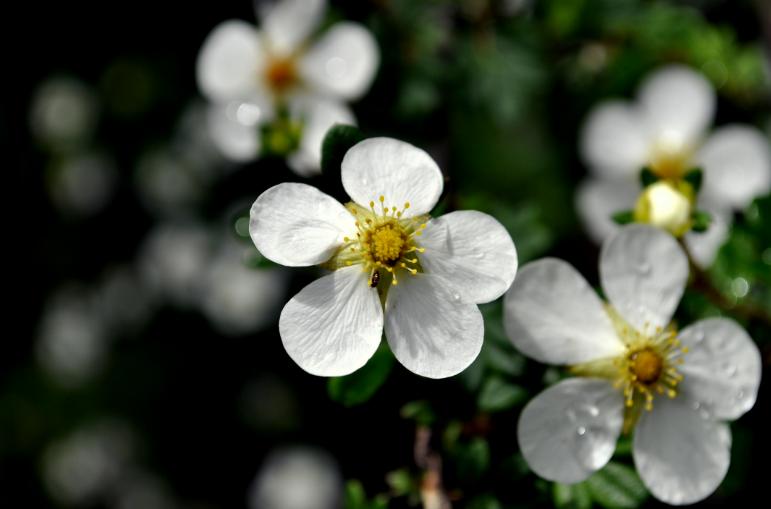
(81, 469)
(297, 478)
(167, 182)
(72, 339)
(282, 74)
(239, 299)
(637, 371)
(666, 131)
(424, 294)
(140, 490)
(173, 259)
(82, 183)
(122, 300)
(63, 114)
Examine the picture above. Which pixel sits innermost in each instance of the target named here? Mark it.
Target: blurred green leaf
(623, 217)
(362, 384)
(617, 486)
(571, 496)
(355, 497)
(419, 411)
(337, 141)
(401, 482)
(694, 177)
(484, 501)
(497, 395)
(701, 221)
(472, 459)
(647, 177)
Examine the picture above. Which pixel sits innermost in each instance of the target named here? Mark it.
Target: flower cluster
(283, 81)
(664, 130)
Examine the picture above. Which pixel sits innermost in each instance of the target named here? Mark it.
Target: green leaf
(647, 177)
(617, 486)
(571, 496)
(472, 459)
(497, 395)
(419, 411)
(355, 497)
(484, 501)
(361, 385)
(623, 217)
(401, 482)
(694, 177)
(337, 141)
(701, 221)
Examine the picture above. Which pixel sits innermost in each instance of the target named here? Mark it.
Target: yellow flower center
(281, 74)
(670, 159)
(647, 368)
(385, 243)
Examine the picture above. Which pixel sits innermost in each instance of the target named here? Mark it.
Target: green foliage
(419, 411)
(647, 177)
(472, 459)
(484, 501)
(694, 177)
(617, 486)
(336, 143)
(624, 217)
(497, 395)
(571, 496)
(356, 498)
(362, 384)
(700, 221)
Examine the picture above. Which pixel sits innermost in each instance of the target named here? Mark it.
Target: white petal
(737, 165)
(722, 368)
(678, 104)
(705, 245)
(680, 456)
(318, 116)
(552, 315)
(229, 62)
(397, 170)
(643, 273)
(569, 431)
(431, 330)
(598, 199)
(236, 141)
(288, 24)
(614, 142)
(333, 326)
(343, 62)
(472, 251)
(297, 225)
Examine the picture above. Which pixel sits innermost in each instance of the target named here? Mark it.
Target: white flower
(394, 267)
(251, 75)
(297, 478)
(673, 388)
(665, 129)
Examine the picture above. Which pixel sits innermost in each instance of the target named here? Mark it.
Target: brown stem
(431, 491)
(703, 283)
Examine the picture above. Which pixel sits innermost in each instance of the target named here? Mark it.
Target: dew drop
(456, 297)
(581, 431)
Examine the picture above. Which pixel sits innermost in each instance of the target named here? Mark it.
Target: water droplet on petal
(581, 431)
(456, 297)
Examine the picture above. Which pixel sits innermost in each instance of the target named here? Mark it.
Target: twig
(703, 283)
(431, 490)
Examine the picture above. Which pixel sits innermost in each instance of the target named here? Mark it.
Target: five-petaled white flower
(393, 266)
(665, 130)
(279, 75)
(638, 372)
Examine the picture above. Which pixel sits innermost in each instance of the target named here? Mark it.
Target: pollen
(385, 244)
(281, 74)
(646, 366)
